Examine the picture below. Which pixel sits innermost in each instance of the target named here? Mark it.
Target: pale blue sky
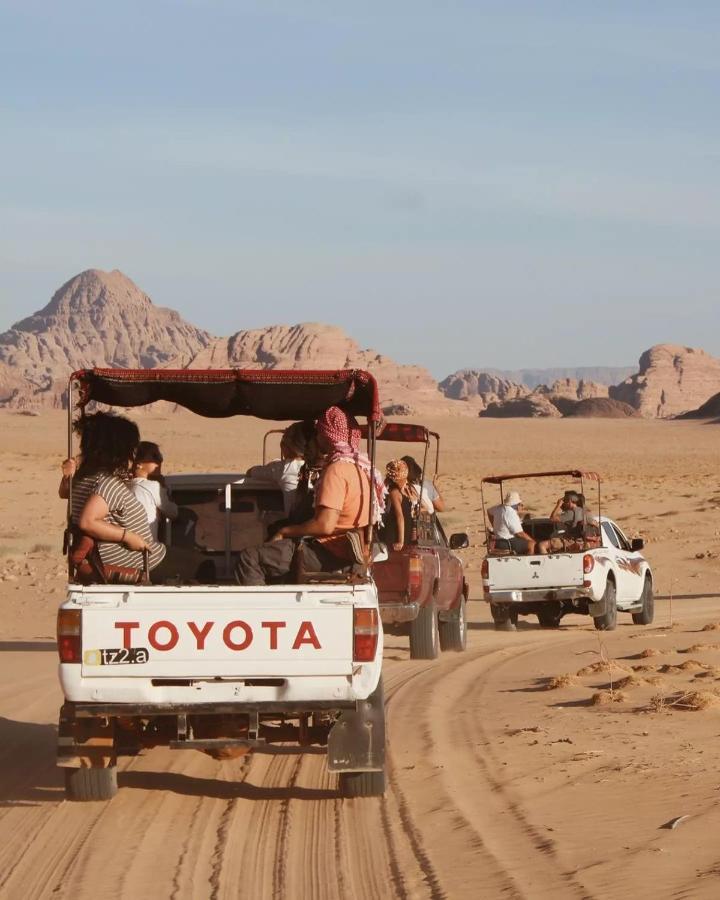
(500, 184)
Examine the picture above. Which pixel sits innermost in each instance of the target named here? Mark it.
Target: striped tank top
(123, 510)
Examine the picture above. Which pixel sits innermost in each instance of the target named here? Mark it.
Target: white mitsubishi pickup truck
(597, 572)
(217, 667)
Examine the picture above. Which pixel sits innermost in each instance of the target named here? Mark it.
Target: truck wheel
(361, 784)
(453, 633)
(91, 784)
(647, 613)
(425, 634)
(608, 620)
(503, 617)
(549, 615)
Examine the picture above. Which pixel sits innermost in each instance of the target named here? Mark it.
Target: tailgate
(560, 570)
(268, 641)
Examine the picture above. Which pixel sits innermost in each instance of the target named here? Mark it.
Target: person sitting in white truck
(342, 505)
(573, 525)
(508, 528)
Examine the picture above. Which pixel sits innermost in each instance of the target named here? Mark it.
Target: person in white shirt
(508, 528)
(148, 485)
(430, 499)
(285, 472)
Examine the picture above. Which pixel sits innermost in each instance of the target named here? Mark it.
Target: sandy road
(453, 824)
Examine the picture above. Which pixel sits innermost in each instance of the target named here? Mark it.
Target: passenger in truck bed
(574, 525)
(342, 505)
(402, 500)
(285, 472)
(105, 509)
(508, 528)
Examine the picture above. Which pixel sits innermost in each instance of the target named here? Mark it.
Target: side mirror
(637, 544)
(459, 541)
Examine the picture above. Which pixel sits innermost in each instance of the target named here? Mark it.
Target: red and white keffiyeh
(342, 432)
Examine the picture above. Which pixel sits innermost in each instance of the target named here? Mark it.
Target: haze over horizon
(525, 188)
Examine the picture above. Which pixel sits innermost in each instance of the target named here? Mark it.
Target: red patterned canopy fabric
(277, 394)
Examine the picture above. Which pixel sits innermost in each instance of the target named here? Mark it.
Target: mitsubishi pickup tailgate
(557, 570)
(155, 634)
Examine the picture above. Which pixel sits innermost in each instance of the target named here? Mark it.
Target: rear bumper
(535, 596)
(394, 613)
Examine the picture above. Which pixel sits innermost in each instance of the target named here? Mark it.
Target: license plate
(123, 656)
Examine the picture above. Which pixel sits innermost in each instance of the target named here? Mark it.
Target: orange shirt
(346, 488)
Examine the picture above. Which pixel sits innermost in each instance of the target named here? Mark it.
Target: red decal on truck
(172, 640)
(230, 627)
(273, 629)
(306, 635)
(200, 633)
(127, 628)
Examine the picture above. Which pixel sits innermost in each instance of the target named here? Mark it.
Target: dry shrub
(604, 698)
(560, 681)
(602, 666)
(692, 700)
(630, 681)
(644, 668)
(648, 652)
(654, 680)
(699, 648)
(711, 626)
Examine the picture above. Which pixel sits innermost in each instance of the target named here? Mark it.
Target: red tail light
(365, 634)
(415, 575)
(485, 574)
(588, 563)
(69, 635)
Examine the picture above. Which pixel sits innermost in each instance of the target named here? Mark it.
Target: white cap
(512, 498)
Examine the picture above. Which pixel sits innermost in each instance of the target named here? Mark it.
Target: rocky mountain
(103, 319)
(600, 408)
(672, 380)
(95, 319)
(481, 388)
(534, 406)
(532, 378)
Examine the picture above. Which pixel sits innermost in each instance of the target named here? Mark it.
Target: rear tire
(361, 784)
(647, 613)
(550, 614)
(453, 633)
(425, 633)
(503, 617)
(85, 785)
(608, 620)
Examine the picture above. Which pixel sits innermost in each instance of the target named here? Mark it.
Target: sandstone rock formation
(533, 407)
(672, 379)
(573, 390)
(710, 409)
(599, 408)
(103, 319)
(481, 388)
(95, 319)
(534, 378)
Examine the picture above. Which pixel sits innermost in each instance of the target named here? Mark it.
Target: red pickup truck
(423, 591)
(422, 587)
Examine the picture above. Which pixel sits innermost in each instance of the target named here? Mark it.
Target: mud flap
(357, 740)
(85, 743)
(597, 607)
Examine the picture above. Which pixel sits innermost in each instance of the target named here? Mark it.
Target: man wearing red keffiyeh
(342, 504)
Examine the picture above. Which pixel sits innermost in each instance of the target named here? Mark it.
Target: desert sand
(520, 768)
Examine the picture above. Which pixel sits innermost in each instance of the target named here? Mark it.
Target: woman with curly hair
(103, 505)
(402, 502)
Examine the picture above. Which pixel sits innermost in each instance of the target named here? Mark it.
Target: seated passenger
(573, 524)
(105, 509)
(148, 485)
(429, 495)
(508, 528)
(285, 472)
(342, 504)
(401, 506)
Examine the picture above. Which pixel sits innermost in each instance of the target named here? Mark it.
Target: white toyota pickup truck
(597, 576)
(217, 667)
